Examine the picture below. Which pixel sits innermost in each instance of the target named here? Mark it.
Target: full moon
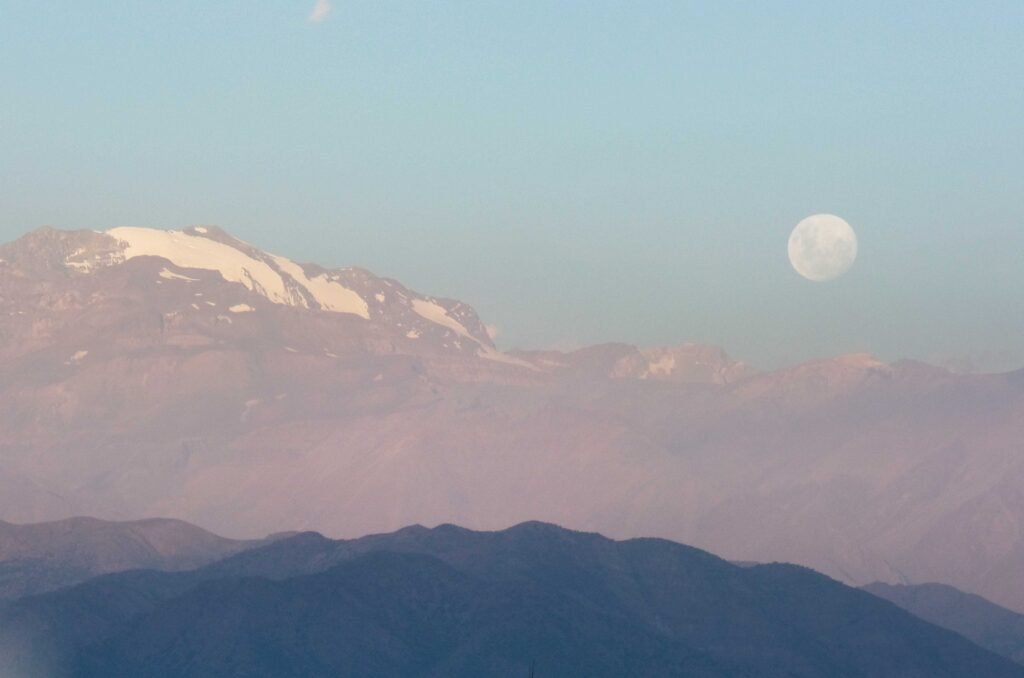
(822, 247)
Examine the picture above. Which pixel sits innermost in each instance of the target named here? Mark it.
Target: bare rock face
(190, 375)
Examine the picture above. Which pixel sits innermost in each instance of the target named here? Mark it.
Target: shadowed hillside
(454, 602)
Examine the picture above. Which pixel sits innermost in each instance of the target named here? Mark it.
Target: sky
(579, 172)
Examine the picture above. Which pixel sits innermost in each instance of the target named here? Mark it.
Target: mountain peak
(273, 277)
(223, 273)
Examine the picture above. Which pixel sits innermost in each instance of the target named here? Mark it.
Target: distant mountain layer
(48, 556)
(189, 374)
(985, 623)
(453, 602)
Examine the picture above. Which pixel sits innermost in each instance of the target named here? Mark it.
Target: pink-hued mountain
(190, 375)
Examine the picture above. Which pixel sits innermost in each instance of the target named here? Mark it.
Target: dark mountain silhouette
(980, 621)
(453, 602)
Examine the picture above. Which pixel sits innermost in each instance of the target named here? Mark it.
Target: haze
(579, 172)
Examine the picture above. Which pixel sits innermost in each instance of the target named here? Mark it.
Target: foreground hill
(453, 602)
(191, 375)
(47, 556)
(982, 622)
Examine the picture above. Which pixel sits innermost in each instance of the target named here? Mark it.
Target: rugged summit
(204, 275)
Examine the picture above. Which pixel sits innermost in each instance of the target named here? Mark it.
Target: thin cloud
(321, 10)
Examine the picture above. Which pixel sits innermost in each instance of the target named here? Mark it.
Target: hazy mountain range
(989, 625)
(452, 602)
(187, 374)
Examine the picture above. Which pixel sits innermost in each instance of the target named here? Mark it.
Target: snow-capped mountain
(218, 276)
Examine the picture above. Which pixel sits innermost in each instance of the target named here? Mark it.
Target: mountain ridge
(453, 601)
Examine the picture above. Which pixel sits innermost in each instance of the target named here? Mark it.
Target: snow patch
(168, 274)
(663, 367)
(438, 315)
(241, 308)
(331, 295)
(489, 353)
(83, 266)
(76, 357)
(191, 250)
(435, 313)
(96, 261)
(249, 404)
(200, 229)
(413, 334)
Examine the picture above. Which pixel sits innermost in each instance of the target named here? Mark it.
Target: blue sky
(578, 171)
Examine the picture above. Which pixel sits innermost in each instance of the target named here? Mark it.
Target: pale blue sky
(578, 171)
